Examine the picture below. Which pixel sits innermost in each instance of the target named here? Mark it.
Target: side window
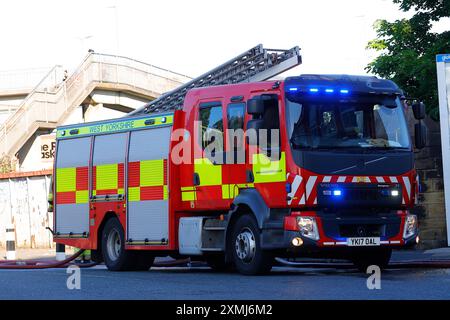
(211, 125)
(235, 133)
(235, 116)
(272, 124)
(235, 124)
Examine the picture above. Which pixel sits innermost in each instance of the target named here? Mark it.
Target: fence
(23, 202)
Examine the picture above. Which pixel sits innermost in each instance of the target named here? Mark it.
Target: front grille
(358, 195)
(362, 194)
(362, 230)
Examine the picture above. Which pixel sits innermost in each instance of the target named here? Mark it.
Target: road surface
(203, 283)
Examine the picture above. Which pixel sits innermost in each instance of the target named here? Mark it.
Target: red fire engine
(337, 179)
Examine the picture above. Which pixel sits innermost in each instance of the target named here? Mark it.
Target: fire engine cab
(336, 178)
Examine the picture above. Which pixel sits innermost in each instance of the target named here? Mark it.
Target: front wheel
(245, 245)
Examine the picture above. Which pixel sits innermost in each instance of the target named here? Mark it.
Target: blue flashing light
(337, 193)
(313, 90)
(344, 91)
(329, 90)
(293, 89)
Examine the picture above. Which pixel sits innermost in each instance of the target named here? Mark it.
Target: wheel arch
(250, 202)
(108, 215)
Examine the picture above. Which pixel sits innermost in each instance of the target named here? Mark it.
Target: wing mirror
(255, 106)
(418, 110)
(420, 135)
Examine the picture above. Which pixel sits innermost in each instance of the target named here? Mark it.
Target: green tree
(408, 50)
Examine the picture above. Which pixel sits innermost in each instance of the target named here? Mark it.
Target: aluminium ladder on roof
(256, 64)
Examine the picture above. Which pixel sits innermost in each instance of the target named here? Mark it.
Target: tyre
(216, 261)
(380, 257)
(144, 260)
(113, 247)
(245, 246)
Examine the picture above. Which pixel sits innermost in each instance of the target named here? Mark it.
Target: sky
(190, 37)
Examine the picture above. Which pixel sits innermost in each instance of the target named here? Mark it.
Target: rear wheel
(113, 247)
(245, 245)
(380, 257)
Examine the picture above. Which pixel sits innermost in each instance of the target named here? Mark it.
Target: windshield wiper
(386, 148)
(353, 148)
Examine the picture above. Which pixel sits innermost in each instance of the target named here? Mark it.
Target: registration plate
(363, 242)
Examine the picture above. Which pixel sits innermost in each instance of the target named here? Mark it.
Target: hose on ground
(172, 263)
(408, 264)
(36, 264)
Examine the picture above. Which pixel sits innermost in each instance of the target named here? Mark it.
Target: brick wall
(431, 208)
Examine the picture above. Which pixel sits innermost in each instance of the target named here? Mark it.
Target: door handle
(249, 176)
(196, 179)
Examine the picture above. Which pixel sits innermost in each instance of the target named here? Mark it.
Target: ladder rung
(256, 64)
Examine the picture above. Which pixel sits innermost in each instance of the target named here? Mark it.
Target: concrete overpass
(101, 81)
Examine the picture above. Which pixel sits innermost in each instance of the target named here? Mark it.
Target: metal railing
(21, 80)
(51, 101)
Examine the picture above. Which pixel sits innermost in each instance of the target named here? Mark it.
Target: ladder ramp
(255, 64)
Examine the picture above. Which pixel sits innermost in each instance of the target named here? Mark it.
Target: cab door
(266, 162)
(209, 155)
(235, 178)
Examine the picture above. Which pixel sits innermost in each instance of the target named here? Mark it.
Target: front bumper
(334, 232)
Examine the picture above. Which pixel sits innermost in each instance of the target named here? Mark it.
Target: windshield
(334, 124)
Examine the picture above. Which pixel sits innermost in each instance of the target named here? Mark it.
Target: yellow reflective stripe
(134, 194)
(245, 185)
(230, 191)
(107, 175)
(210, 174)
(120, 191)
(158, 121)
(265, 170)
(226, 194)
(66, 179)
(152, 173)
(165, 193)
(94, 192)
(187, 193)
(82, 196)
(114, 126)
(188, 196)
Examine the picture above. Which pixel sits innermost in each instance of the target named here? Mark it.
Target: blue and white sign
(443, 58)
(443, 75)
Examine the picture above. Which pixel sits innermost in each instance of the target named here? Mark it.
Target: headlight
(410, 226)
(308, 227)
